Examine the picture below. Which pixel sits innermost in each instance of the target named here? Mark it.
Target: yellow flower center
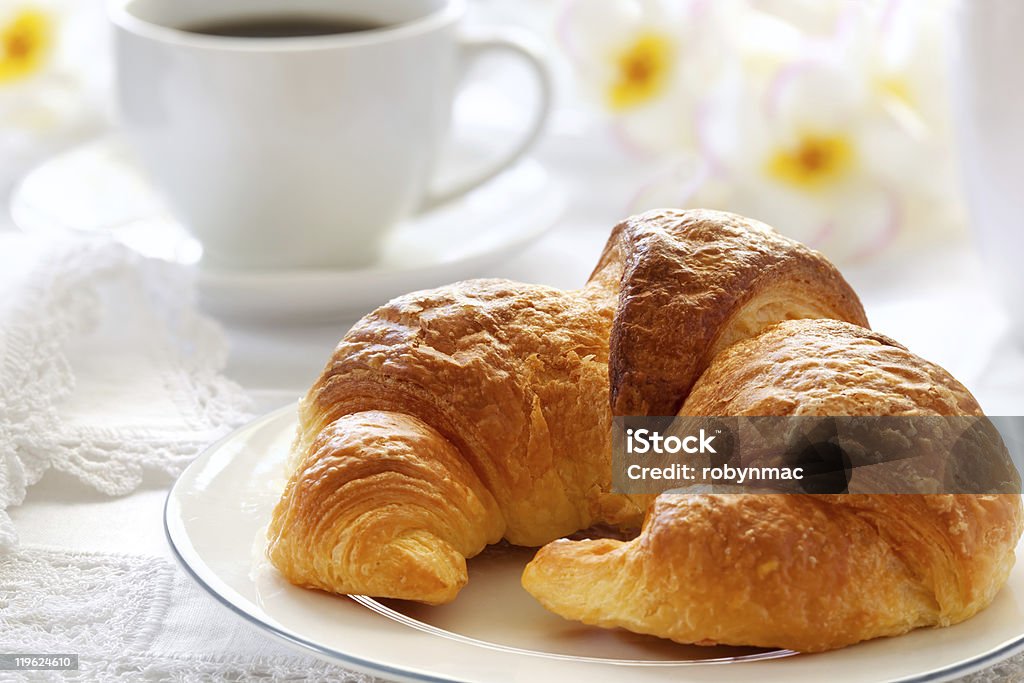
(25, 44)
(641, 70)
(815, 161)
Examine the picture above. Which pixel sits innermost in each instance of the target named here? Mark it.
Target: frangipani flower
(855, 139)
(51, 80)
(824, 118)
(794, 158)
(802, 163)
(644, 62)
(624, 50)
(26, 42)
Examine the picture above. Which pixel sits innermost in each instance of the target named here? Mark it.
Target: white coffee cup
(283, 152)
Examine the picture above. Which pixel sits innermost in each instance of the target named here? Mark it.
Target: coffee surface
(281, 26)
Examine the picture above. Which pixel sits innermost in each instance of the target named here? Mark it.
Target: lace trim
(60, 301)
(35, 371)
(110, 609)
(59, 601)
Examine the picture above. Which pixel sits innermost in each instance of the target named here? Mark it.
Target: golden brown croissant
(806, 573)
(451, 418)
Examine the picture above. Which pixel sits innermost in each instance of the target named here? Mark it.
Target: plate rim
(957, 669)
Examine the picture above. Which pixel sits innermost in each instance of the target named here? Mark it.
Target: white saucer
(98, 188)
(495, 632)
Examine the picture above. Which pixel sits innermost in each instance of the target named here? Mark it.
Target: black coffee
(281, 26)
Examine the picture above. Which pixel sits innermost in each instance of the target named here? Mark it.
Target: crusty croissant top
(449, 419)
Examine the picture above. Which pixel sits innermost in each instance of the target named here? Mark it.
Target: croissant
(452, 418)
(449, 419)
(806, 573)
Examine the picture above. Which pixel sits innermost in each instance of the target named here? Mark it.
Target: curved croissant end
(801, 573)
(806, 573)
(382, 505)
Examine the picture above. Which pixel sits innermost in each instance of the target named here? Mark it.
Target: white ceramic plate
(98, 188)
(494, 632)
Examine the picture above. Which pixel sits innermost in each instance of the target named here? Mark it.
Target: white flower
(647, 63)
(800, 161)
(53, 78)
(625, 51)
(825, 119)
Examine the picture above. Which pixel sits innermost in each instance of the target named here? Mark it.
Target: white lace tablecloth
(110, 382)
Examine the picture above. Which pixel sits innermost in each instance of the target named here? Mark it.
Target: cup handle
(514, 43)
